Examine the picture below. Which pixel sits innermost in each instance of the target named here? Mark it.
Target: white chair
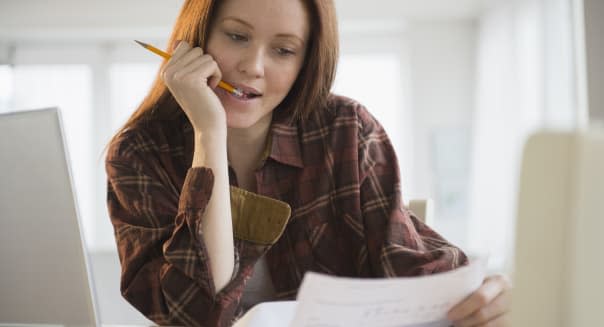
(558, 264)
(423, 210)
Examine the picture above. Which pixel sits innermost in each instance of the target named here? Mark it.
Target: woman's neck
(245, 146)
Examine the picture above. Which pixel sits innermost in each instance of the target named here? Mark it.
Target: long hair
(193, 25)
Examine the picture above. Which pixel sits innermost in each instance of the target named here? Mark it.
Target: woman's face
(259, 46)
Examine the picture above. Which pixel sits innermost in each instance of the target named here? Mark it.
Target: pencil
(222, 84)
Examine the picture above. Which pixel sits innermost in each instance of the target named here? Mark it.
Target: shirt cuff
(196, 189)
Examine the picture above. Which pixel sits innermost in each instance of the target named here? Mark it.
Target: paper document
(327, 301)
(268, 314)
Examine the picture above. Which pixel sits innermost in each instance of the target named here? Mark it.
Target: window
(129, 83)
(68, 87)
(6, 87)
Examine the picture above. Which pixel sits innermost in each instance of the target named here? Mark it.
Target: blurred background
(458, 85)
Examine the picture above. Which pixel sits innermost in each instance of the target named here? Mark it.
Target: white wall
(442, 63)
(85, 19)
(594, 51)
(119, 17)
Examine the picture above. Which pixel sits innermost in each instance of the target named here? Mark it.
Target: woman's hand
(486, 307)
(190, 75)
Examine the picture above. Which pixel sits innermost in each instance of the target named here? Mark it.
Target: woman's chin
(238, 124)
(236, 121)
(247, 121)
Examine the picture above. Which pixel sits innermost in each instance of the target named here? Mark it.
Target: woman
(220, 202)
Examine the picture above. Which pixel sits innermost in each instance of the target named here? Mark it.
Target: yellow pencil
(222, 84)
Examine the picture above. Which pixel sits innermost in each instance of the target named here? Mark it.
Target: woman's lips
(247, 89)
(232, 97)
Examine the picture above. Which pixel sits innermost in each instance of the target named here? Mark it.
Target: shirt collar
(283, 144)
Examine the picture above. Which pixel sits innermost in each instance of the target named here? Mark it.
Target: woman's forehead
(279, 16)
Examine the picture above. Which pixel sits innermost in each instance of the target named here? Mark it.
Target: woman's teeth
(246, 95)
(238, 93)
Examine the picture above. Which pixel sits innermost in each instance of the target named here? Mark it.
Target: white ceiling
(409, 9)
(31, 18)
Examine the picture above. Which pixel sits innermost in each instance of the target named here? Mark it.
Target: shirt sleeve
(165, 266)
(398, 244)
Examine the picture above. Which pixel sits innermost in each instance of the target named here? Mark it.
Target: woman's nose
(252, 62)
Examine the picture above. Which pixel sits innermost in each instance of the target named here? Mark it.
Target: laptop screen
(44, 275)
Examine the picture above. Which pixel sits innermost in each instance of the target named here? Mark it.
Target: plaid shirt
(328, 200)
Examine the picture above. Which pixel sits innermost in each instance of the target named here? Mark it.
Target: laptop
(44, 271)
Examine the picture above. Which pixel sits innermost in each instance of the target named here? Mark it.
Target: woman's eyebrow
(239, 20)
(250, 26)
(291, 36)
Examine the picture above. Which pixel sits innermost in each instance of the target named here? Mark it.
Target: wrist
(208, 146)
(210, 138)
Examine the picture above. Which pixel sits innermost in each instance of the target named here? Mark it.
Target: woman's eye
(285, 52)
(237, 37)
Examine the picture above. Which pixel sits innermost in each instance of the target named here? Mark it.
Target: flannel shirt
(328, 199)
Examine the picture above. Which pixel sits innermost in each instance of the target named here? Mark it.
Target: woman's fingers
(181, 57)
(481, 299)
(492, 314)
(190, 56)
(182, 48)
(191, 64)
(203, 68)
(188, 75)
(215, 76)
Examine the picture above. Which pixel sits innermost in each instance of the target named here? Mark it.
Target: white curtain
(525, 81)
